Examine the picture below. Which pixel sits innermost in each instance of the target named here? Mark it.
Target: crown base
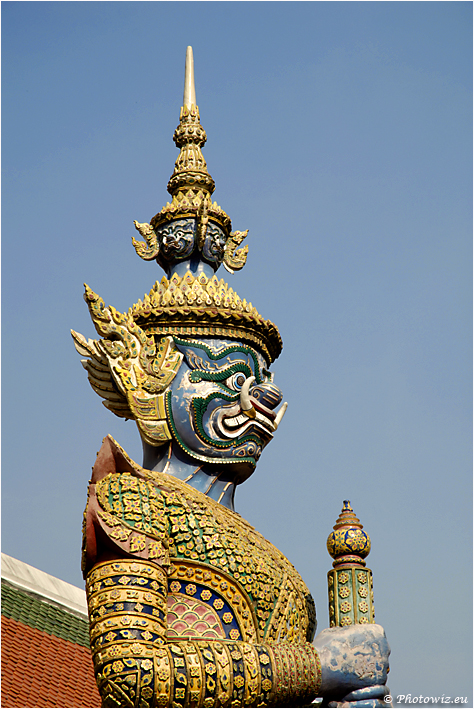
(188, 328)
(186, 203)
(198, 305)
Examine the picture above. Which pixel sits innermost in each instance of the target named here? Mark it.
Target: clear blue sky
(340, 135)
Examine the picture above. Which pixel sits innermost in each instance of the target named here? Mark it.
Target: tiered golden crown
(191, 186)
(195, 303)
(193, 306)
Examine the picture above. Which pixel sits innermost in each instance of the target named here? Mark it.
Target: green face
(221, 403)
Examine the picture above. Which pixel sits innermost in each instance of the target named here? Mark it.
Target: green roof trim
(36, 613)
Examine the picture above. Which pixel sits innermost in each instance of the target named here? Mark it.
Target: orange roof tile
(41, 670)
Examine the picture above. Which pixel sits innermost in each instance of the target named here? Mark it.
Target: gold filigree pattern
(131, 512)
(141, 668)
(204, 306)
(193, 529)
(128, 368)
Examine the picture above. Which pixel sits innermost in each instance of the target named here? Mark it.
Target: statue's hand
(354, 663)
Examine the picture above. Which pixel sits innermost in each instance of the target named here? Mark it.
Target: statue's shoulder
(202, 532)
(126, 511)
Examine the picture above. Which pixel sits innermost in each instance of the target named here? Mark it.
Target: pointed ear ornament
(149, 249)
(235, 259)
(128, 369)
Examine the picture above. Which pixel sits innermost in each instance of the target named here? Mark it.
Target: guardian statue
(189, 605)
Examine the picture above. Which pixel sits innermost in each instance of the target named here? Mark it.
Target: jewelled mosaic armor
(189, 605)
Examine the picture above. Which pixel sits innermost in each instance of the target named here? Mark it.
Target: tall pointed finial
(189, 97)
(191, 188)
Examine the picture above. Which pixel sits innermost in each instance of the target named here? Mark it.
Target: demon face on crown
(177, 242)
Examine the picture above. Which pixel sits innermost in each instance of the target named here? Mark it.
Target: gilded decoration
(162, 519)
(191, 187)
(189, 605)
(348, 544)
(133, 615)
(200, 305)
(227, 609)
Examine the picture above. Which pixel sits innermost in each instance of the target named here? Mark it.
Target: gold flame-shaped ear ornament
(191, 187)
(350, 587)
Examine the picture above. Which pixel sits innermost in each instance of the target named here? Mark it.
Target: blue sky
(340, 135)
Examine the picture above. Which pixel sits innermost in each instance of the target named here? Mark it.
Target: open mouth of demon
(248, 415)
(232, 422)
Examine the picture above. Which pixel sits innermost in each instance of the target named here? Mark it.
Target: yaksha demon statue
(189, 605)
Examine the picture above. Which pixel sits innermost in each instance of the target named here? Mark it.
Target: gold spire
(189, 97)
(191, 187)
(190, 167)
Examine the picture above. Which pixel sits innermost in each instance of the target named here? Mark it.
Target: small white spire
(189, 88)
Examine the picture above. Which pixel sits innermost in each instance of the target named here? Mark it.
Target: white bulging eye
(236, 381)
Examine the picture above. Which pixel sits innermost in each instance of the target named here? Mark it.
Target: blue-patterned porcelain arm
(354, 665)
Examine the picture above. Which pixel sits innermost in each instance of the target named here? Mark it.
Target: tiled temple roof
(46, 660)
(32, 611)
